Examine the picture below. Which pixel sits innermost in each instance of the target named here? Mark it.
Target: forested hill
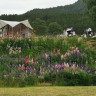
(77, 7)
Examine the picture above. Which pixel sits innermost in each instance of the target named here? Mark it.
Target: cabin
(69, 32)
(14, 28)
(88, 32)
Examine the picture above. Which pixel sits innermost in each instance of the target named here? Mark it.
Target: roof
(14, 23)
(69, 29)
(89, 29)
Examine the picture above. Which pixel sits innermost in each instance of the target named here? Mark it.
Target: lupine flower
(66, 65)
(62, 57)
(58, 52)
(27, 61)
(54, 51)
(95, 72)
(56, 65)
(40, 69)
(19, 68)
(95, 62)
(2, 41)
(73, 67)
(17, 32)
(46, 55)
(23, 67)
(32, 60)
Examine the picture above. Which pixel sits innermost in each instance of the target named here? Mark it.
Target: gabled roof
(14, 23)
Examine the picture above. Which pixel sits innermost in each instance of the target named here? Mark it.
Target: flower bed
(47, 60)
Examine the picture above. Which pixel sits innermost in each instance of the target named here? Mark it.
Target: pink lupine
(2, 41)
(32, 60)
(57, 70)
(77, 66)
(54, 51)
(17, 32)
(73, 67)
(26, 71)
(27, 61)
(95, 72)
(95, 62)
(19, 68)
(76, 49)
(66, 65)
(62, 57)
(46, 55)
(23, 67)
(58, 52)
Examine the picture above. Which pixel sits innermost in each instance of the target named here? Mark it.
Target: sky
(22, 6)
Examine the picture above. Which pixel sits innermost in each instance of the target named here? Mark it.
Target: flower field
(58, 61)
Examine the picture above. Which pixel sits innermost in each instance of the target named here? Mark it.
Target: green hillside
(77, 7)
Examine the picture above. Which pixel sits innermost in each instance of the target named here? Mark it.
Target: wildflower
(46, 55)
(23, 67)
(32, 60)
(17, 32)
(95, 62)
(27, 61)
(73, 67)
(56, 65)
(86, 62)
(54, 51)
(95, 72)
(66, 65)
(40, 69)
(2, 41)
(62, 57)
(58, 52)
(19, 68)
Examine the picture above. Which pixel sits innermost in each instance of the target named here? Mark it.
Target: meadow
(59, 61)
(49, 91)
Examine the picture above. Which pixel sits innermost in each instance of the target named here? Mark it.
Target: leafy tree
(40, 27)
(93, 14)
(91, 4)
(55, 28)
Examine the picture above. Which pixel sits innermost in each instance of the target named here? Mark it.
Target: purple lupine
(33, 65)
(10, 67)
(56, 65)
(84, 50)
(44, 57)
(81, 50)
(48, 62)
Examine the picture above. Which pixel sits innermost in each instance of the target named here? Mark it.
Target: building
(69, 32)
(88, 32)
(13, 28)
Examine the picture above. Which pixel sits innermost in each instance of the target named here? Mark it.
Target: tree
(40, 27)
(54, 28)
(91, 4)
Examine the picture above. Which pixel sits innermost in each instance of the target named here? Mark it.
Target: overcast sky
(22, 6)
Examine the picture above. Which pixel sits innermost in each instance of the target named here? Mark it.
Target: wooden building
(13, 28)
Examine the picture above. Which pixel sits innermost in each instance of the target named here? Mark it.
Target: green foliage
(93, 14)
(55, 28)
(40, 27)
(91, 3)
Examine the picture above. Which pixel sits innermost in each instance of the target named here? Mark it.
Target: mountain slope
(77, 7)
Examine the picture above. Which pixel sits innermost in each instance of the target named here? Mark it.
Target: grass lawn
(49, 91)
